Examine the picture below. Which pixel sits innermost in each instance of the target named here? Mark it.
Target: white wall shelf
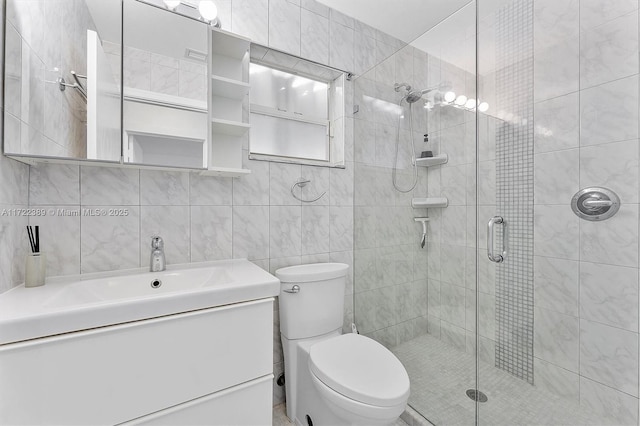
(213, 171)
(432, 161)
(156, 98)
(227, 127)
(225, 172)
(228, 88)
(429, 203)
(228, 103)
(228, 44)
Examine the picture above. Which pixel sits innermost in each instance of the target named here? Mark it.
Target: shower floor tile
(440, 375)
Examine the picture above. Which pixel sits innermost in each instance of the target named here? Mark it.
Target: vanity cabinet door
(115, 374)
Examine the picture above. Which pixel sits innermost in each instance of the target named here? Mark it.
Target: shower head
(416, 95)
(398, 86)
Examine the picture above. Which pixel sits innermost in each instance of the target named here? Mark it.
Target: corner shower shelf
(429, 203)
(432, 161)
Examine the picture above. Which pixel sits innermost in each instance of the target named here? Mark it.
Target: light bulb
(483, 106)
(449, 96)
(208, 10)
(471, 104)
(172, 4)
(461, 100)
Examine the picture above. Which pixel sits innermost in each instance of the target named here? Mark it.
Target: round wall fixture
(595, 203)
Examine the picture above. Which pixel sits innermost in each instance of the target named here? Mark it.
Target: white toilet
(331, 378)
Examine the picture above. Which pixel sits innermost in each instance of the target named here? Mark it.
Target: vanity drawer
(227, 407)
(113, 374)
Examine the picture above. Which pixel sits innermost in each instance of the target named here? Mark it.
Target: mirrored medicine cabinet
(131, 83)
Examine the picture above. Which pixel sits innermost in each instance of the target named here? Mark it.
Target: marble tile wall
(585, 274)
(390, 267)
(45, 40)
(153, 72)
(452, 252)
(200, 218)
(14, 196)
(208, 218)
(586, 134)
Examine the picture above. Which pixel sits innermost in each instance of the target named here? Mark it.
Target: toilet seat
(361, 369)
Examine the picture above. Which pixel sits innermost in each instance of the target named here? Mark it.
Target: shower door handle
(497, 258)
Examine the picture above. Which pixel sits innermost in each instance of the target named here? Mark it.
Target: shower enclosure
(522, 306)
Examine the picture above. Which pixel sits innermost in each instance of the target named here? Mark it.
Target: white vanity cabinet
(208, 366)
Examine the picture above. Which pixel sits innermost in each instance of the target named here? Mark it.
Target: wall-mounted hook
(302, 182)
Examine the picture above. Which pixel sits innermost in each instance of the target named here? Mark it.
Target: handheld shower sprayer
(424, 221)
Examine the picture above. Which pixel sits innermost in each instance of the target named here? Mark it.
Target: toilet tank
(317, 308)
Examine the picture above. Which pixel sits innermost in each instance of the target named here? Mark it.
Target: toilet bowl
(333, 378)
(360, 379)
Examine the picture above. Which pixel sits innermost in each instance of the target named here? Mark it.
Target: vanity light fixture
(449, 97)
(206, 8)
(172, 4)
(471, 104)
(461, 100)
(209, 12)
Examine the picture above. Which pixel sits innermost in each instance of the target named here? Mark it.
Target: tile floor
(280, 417)
(440, 375)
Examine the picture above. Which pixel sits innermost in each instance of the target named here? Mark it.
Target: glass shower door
(417, 300)
(557, 294)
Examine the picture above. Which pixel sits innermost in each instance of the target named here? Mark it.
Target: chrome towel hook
(302, 182)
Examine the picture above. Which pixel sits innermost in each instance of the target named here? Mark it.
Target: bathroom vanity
(119, 348)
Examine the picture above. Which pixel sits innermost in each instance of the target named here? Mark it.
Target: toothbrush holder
(35, 269)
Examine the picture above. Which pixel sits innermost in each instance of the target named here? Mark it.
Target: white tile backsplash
(614, 303)
(284, 26)
(314, 37)
(609, 112)
(107, 242)
(609, 51)
(609, 356)
(556, 339)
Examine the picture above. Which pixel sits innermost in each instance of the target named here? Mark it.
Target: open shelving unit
(228, 102)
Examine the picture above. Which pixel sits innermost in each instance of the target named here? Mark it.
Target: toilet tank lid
(311, 272)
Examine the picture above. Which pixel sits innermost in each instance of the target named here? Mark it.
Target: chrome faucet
(157, 255)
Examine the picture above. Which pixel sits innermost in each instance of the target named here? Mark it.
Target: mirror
(165, 87)
(63, 94)
(62, 98)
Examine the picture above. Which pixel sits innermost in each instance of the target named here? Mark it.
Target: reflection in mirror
(61, 94)
(165, 87)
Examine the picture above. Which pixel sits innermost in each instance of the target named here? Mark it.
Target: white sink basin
(81, 302)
